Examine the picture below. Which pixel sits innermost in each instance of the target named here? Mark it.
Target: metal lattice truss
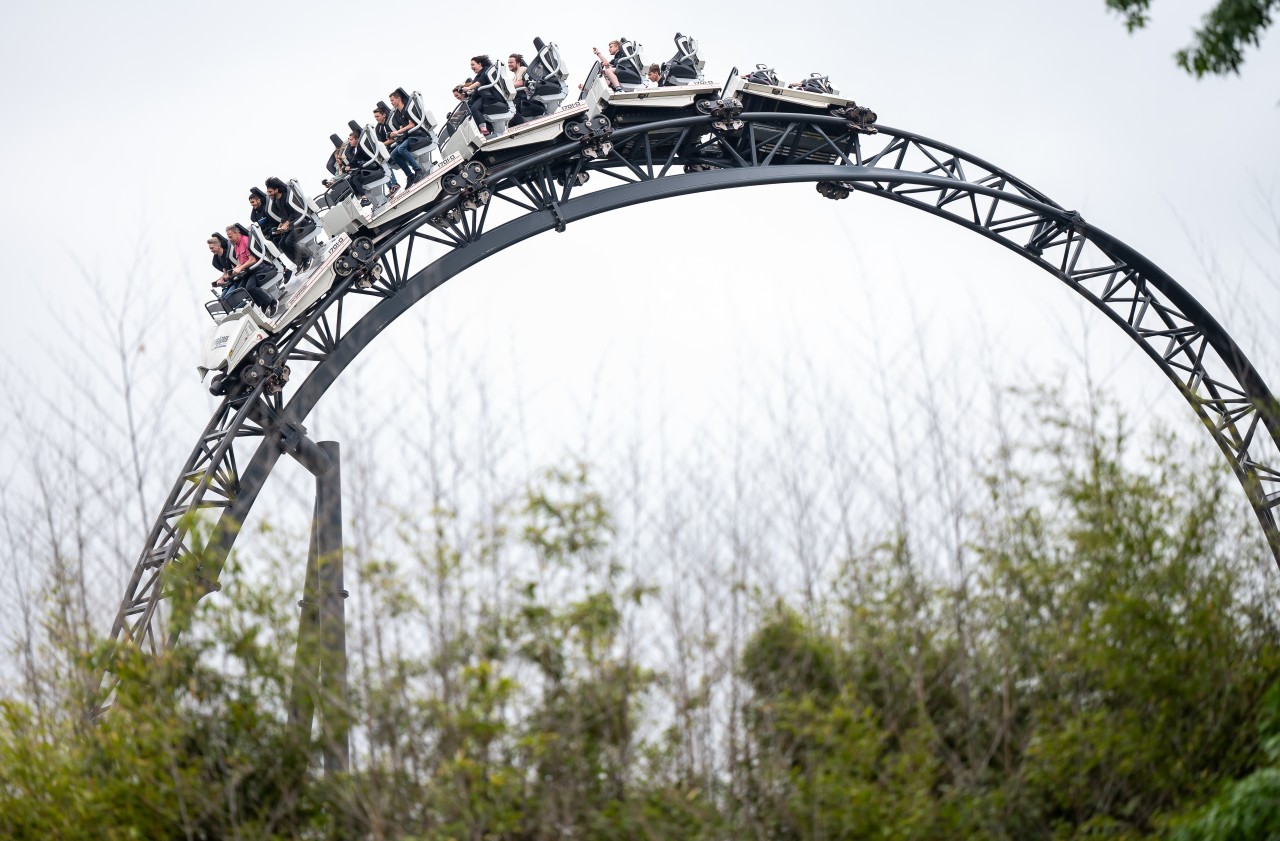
(586, 176)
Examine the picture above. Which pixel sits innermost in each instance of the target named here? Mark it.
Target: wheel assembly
(362, 249)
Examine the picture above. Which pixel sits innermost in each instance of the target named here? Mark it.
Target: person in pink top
(239, 236)
(242, 275)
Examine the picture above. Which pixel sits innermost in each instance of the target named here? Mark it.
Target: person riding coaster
(237, 347)
(625, 69)
(489, 97)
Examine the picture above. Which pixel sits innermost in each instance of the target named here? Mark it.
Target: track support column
(320, 664)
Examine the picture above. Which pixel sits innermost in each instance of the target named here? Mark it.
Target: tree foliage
(1109, 666)
(1218, 46)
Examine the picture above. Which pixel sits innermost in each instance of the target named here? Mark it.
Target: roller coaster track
(544, 191)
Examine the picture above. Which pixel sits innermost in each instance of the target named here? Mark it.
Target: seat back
(420, 116)
(630, 68)
(817, 83)
(547, 63)
(764, 75)
(423, 143)
(686, 66)
(495, 91)
(369, 143)
(269, 268)
(301, 203)
(332, 163)
(305, 206)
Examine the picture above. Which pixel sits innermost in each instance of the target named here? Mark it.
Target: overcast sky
(140, 127)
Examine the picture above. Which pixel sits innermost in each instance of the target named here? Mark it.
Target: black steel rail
(648, 161)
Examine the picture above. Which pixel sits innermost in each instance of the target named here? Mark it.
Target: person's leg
(259, 296)
(400, 155)
(477, 113)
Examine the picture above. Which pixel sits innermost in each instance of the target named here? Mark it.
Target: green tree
(1219, 44)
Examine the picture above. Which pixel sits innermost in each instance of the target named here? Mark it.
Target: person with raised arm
(608, 66)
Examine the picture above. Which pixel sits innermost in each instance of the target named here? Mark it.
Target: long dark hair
(482, 60)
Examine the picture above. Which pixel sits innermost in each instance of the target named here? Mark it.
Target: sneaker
(618, 89)
(270, 310)
(395, 188)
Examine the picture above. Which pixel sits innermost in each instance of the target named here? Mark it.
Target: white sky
(142, 125)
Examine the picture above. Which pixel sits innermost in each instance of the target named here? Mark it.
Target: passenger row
(286, 224)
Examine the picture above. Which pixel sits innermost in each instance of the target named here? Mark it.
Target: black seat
(763, 75)
(685, 67)
(629, 67)
(816, 83)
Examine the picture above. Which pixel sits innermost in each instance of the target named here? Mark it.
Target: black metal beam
(1173, 329)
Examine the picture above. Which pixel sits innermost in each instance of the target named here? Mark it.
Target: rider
(526, 106)
(609, 68)
(480, 65)
(222, 258)
(382, 129)
(290, 227)
(247, 273)
(397, 139)
(258, 215)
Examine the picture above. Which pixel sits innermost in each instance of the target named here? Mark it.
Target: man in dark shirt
(382, 129)
(222, 259)
(291, 226)
(398, 138)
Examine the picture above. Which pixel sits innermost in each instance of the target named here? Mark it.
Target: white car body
(237, 333)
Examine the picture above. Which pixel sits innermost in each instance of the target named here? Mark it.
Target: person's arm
(403, 130)
(239, 270)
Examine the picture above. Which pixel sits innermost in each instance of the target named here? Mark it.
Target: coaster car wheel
(344, 266)
(252, 375)
(599, 124)
(218, 385)
(473, 171)
(453, 183)
(362, 249)
(575, 130)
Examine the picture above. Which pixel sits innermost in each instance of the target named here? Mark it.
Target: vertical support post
(320, 664)
(306, 668)
(333, 622)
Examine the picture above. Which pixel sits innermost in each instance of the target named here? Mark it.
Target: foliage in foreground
(1104, 664)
